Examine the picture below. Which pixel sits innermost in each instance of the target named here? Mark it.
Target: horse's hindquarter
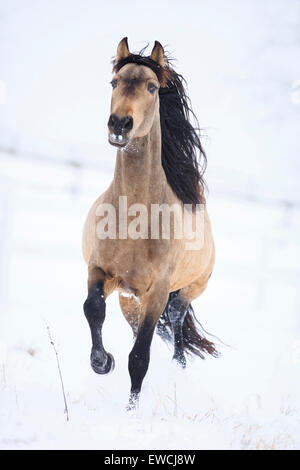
(194, 266)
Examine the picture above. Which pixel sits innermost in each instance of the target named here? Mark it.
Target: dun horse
(159, 157)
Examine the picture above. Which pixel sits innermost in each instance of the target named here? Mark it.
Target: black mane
(183, 157)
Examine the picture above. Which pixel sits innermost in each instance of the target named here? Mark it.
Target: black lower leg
(177, 310)
(94, 310)
(139, 360)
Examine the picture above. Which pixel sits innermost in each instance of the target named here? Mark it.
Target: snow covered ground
(54, 161)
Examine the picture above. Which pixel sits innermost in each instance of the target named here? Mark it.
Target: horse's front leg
(139, 357)
(94, 307)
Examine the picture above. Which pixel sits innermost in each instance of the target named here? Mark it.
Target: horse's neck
(139, 174)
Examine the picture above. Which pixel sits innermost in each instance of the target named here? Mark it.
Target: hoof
(99, 367)
(180, 360)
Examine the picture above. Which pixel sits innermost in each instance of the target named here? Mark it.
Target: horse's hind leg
(176, 310)
(94, 310)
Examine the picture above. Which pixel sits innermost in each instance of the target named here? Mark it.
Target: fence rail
(76, 165)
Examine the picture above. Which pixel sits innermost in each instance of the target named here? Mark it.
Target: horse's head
(135, 99)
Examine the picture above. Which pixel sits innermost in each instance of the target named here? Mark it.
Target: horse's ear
(157, 54)
(123, 50)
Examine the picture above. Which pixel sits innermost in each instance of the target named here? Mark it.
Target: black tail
(194, 340)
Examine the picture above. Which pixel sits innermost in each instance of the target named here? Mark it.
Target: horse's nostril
(127, 123)
(113, 121)
(119, 126)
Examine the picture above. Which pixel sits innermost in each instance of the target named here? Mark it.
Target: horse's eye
(114, 83)
(152, 88)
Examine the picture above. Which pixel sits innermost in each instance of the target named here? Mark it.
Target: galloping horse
(159, 157)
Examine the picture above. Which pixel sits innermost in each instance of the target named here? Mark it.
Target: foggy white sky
(240, 60)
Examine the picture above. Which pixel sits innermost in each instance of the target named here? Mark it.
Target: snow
(55, 160)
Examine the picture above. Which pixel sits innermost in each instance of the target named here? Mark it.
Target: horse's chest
(132, 260)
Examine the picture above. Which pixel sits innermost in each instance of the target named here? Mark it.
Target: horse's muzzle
(119, 129)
